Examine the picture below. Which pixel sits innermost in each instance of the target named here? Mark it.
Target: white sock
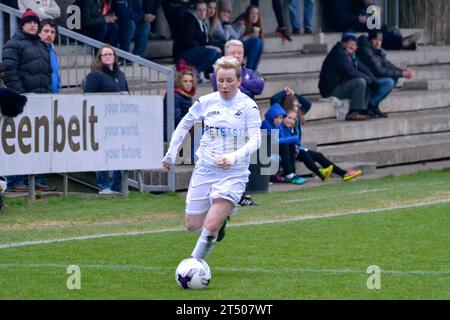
(205, 244)
(290, 176)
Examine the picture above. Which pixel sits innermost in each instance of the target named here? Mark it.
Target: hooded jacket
(283, 137)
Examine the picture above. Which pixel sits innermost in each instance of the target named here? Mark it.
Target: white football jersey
(226, 128)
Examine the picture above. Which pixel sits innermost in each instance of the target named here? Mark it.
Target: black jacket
(191, 36)
(106, 81)
(338, 68)
(91, 13)
(26, 61)
(376, 60)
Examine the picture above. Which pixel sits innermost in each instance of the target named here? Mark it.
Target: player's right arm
(194, 114)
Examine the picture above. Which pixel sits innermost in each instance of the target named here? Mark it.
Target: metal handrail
(169, 72)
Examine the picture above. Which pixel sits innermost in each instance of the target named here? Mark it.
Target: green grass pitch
(314, 243)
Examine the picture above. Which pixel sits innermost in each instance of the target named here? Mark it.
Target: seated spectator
(289, 97)
(224, 30)
(344, 77)
(309, 157)
(47, 9)
(195, 45)
(132, 25)
(387, 74)
(184, 91)
(151, 8)
(251, 31)
(105, 76)
(252, 84)
(98, 21)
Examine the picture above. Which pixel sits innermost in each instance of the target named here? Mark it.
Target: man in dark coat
(344, 77)
(27, 69)
(26, 59)
(387, 74)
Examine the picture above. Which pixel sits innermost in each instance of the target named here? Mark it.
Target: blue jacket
(274, 111)
(56, 78)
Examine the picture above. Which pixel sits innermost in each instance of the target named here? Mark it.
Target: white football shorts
(207, 184)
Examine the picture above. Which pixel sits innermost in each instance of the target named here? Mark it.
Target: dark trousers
(309, 158)
(357, 91)
(288, 158)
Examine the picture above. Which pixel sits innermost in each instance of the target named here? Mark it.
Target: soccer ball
(193, 273)
(3, 184)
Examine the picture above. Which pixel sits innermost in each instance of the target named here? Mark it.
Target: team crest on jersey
(239, 114)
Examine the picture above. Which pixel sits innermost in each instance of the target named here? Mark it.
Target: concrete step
(400, 101)
(393, 151)
(307, 82)
(398, 124)
(273, 44)
(424, 84)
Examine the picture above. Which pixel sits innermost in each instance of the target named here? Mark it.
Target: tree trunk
(431, 15)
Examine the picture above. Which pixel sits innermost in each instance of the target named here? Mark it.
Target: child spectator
(274, 119)
(288, 97)
(293, 127)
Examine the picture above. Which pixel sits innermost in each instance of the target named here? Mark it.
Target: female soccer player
(231, 134)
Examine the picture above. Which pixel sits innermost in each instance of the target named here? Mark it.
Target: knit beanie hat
(349, 36)
(27, 16)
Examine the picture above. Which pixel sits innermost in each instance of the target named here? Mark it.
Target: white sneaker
(107, 191)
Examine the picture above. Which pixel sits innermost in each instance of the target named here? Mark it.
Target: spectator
(195, 45)
(308, 16)
(344, 77)
(45, 9)
(98, 21)
(27, 69)
(184, 92)
(151, 8)
(387, 74)
(48, 30)
(252, 36)
(303, 104)
(224, 30)
(352, 15)
(309, 157)
(251, 85)
(278, 10)
(175, 12)
(105, 76)
(132, 25)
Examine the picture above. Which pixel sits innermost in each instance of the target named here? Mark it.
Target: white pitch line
(291, 219)
(223, 269)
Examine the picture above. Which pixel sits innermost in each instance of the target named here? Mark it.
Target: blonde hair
(179, 78)
(228, 62)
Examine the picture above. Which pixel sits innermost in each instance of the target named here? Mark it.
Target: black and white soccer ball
(193, 273)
